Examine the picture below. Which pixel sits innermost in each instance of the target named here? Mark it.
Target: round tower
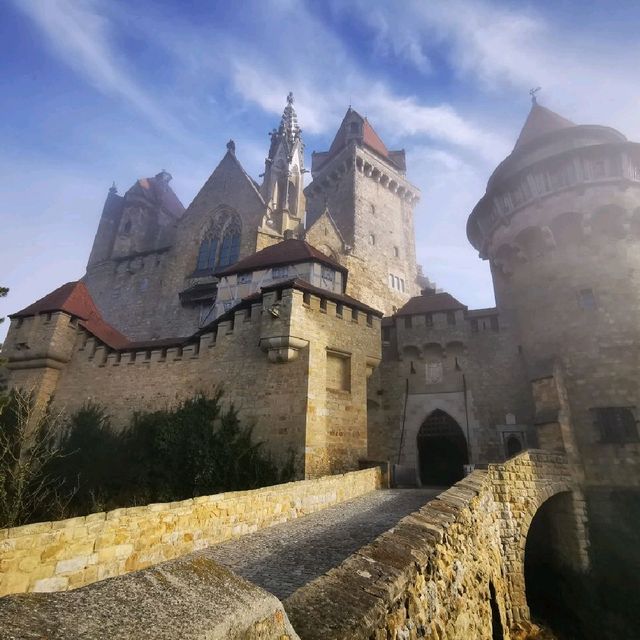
(560, 225)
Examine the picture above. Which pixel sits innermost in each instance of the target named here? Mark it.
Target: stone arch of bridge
(565, 513)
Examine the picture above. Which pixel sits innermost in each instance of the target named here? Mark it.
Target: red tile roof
(430, 303)
(74, 298)
(373, 140)
(290, 251)
(540, 121)
(369, 138)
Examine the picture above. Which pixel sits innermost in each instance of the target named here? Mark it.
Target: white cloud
(81, 35)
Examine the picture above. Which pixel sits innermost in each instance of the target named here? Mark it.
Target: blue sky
(101, 90)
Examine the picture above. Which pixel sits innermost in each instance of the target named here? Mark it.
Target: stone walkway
(287, 556)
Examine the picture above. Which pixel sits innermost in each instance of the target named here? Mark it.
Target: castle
(308, 305)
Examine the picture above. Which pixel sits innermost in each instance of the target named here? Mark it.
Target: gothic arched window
(220, 246)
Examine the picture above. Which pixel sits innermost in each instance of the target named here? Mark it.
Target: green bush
(199, 448)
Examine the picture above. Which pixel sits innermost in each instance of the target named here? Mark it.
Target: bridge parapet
(455, 568)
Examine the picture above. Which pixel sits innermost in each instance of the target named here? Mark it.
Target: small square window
(586, 299)
(306, 297)
(323, 304)
(616, 424)
(279, 272)
(369, 320)
(339, 310)
(245, 278)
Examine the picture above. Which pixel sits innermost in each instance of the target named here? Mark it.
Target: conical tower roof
(539, 122)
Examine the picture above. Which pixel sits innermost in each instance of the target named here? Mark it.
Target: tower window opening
(451, 317)
(372, 239)
(396, 252)
(586, 299)
(616, 425)
(408, 322)
(428, 320)
(127, 227)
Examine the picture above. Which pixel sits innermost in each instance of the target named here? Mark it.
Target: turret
(282, 187)
(560, 225)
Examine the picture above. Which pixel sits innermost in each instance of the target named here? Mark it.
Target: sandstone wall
(282, 391)
(489, 360)
(56, 556)
(446, 570)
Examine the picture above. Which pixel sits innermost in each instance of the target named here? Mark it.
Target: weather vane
(532, 93)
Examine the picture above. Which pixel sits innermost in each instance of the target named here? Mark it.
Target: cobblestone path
(285, 557)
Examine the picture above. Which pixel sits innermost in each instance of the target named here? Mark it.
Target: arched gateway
(442, 450)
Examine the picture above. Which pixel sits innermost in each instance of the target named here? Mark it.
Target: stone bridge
(453, 568)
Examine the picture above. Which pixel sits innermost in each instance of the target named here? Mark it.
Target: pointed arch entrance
(442, 450)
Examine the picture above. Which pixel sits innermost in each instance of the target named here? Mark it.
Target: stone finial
(113, 190)
(532, 93)
(290, 99)
(164, 177)
(231, 147)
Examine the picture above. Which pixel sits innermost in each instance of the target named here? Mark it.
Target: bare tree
(29, 437)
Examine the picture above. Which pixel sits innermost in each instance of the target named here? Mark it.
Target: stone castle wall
(433, 359)
(289, 398)
(61, 555)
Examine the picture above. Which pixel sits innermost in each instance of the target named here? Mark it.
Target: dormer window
(354, 127)
(244, 278)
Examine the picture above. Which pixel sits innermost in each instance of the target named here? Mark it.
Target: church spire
(288, 132)
(283, 184)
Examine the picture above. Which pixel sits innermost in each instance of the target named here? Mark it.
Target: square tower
(360, 211)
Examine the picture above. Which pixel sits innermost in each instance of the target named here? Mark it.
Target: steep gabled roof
(430, 303)
(74, 298)
(539, 122)
(290, 251)
(367, 136)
